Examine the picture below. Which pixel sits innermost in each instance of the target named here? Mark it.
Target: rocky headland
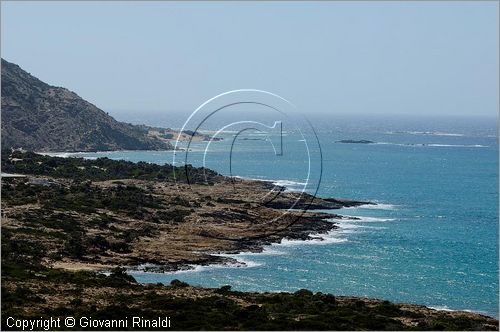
(139, 215)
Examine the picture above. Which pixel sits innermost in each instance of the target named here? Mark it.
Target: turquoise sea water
(433, 239)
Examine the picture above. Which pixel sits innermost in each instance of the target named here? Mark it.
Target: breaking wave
(426, 133)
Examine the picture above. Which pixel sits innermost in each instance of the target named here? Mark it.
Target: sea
(432, 238)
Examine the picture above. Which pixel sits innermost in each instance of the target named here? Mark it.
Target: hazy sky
(358, 57)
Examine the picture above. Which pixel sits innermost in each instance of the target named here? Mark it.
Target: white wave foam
(349, 225)
(458, 145)
(316, 239)
(288, 183)
(240, 262)
(248, 263)
(433, 145)
(271, 252)
(369, 219)
(441, 308)
(266, 251)
(426, 133)
(200, 268)
(377, 206)
(349, 228)
(447, 134)
(446, 308)
(60, 154)
(193, 269)
(399, 144)
(283, 183)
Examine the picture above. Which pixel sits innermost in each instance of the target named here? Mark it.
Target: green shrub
(179, 284)
(224, 289)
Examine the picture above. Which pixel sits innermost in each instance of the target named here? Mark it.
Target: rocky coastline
(66, 220)
(145, 221)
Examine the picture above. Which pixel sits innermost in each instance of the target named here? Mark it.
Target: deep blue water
(433, 240)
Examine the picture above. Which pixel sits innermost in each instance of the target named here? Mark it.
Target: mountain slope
(38, 116)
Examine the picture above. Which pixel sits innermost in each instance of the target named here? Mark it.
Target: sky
(405, 58)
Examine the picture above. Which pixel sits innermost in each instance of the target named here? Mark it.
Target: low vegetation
(100, 169)
(107, 212)
(31, 291)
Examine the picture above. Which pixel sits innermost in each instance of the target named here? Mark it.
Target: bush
(75, 247)
(120, 273)
(304, 293)
(224, 289)
(178, 284)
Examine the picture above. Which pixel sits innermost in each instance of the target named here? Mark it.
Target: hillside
(37, 116)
